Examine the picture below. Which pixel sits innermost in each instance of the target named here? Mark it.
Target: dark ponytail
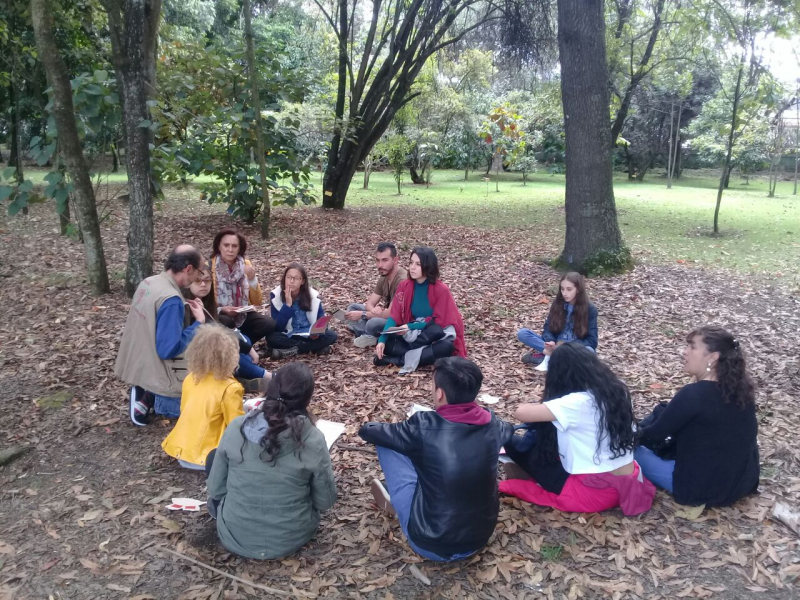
(285, 407)
(735, 383)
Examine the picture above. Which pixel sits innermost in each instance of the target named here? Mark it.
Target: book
(331, 430)
(415, 408)
(321, 326)
(395, 330)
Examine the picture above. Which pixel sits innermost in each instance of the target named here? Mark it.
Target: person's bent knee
(522, 334)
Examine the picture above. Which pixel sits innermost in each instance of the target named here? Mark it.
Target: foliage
(503, 133)
(395, 148)
(19, 193)
(204, 125)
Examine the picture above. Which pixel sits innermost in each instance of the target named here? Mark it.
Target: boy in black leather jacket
(441, 466)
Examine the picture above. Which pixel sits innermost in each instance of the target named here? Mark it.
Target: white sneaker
(381, 498)
(543, 365)
(365, 341)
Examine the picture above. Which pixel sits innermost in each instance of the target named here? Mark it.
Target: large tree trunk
(591, 213)
(416, 176)
(133, 29)
(259, 129)
(69, 145)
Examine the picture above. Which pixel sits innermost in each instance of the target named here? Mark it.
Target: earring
(708, 368)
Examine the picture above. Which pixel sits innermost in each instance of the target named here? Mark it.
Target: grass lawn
(758, 234)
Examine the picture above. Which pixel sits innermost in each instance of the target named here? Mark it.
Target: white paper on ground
(489, 399)
(187, 504)
(415, 408)
(331, 430)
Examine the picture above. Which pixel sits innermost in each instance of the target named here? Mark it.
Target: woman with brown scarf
(236, 286)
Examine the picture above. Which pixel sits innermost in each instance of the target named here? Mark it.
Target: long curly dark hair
(285, 407)
(580, 312)
(575, 368)
(735, 383)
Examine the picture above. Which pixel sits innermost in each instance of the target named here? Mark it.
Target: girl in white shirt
(592, 413)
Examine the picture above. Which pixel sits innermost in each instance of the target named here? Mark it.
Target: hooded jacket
(270, 509)
(455, 504)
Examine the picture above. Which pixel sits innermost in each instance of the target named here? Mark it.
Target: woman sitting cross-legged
(296, 306)
(571, 317)
(211, 398)
(253, 377)
(593, 416)
(235, 286)
(271, 476)
(430, 325)
(702, 447)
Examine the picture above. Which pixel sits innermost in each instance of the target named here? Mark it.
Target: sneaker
(255, 386)
(543, 365)
(141, 402)
(324, 351)
(381, 497)
(365, 341)
(533, 358)
(279, 353)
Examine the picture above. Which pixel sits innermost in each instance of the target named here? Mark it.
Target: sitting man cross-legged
(441, 466)
(367, 321)
(150, 357)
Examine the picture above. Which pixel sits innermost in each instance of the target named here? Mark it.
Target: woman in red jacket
(425, 323)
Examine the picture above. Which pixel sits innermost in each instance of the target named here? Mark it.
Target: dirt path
(81, 515)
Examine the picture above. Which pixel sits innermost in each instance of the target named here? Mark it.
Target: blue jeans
(248, 369)
(167, 406)
(401, 482)
(531, 339)
(656, 469)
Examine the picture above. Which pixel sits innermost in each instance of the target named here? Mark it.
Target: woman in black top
(709, 427)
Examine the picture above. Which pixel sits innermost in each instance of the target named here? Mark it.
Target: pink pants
(574, 497)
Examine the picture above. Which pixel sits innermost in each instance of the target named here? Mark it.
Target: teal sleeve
(390, 322)
(417, 325)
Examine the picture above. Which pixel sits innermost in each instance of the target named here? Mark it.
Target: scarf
(445, 311)
(231, 285)
(469, 413)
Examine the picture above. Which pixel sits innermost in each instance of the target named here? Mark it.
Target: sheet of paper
(331, 430)
(339, 315)
(488, 399)
(246, 309)
(415, 408)
(394, 330)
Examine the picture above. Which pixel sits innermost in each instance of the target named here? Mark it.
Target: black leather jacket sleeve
(401, 437)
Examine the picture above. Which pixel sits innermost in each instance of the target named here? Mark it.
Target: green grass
(758, 234)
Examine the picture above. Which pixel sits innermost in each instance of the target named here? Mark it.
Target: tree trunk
(724, 180)
(367, 171)
(252, 69)
(69, 145)
(13, 149)
(335, 190)
(591, 214)
(416, 177)
(133, 27)
(671, 142)
(114, 159)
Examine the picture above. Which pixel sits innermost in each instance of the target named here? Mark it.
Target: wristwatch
(364, 314)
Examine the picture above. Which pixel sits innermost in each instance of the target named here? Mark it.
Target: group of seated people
(187, 352)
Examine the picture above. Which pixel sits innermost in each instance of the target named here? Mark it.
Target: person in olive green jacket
(271, 476)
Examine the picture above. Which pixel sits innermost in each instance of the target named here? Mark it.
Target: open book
(318, 328)
(395, 330)
(246, 309)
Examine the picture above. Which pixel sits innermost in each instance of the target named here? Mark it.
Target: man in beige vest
(157, 331)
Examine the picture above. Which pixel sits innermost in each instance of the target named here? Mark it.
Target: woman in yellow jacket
(211, 398)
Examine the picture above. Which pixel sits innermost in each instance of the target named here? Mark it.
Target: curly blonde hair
(213, 351)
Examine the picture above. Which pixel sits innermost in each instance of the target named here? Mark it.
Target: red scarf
(468, 413)
(445, 311)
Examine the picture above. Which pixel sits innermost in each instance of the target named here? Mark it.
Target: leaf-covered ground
(82, 514)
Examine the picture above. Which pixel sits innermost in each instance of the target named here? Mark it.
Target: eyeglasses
(293, 278)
